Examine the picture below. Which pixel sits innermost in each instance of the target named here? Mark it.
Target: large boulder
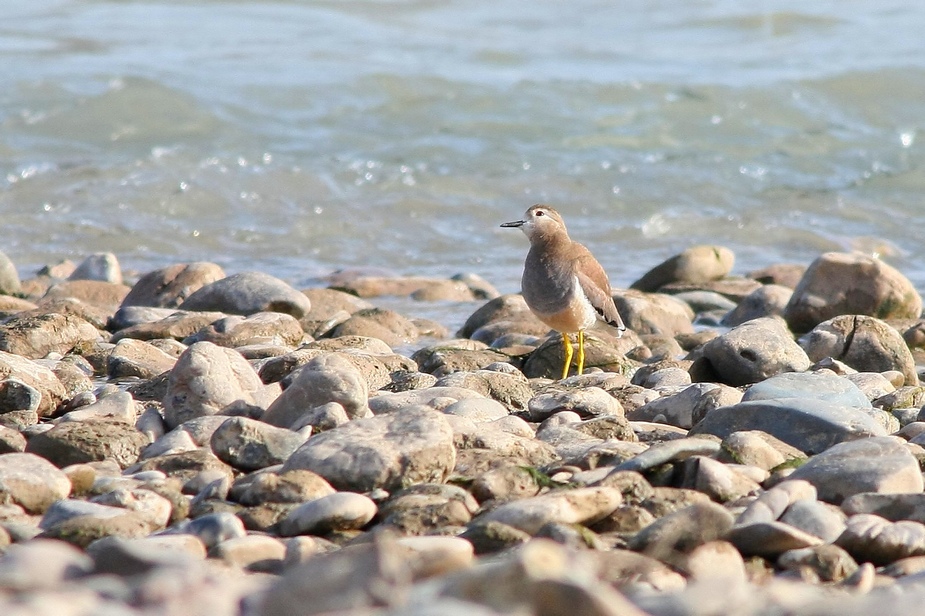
(389, 451)
(751, 352)
(247, 293)
(694, 265)
(865, 343)
(841, 283)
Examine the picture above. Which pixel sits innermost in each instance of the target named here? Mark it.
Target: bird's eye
(540, 213)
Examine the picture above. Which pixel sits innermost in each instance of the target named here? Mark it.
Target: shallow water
(301, 137)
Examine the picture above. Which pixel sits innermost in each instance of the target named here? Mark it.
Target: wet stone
(248, 293)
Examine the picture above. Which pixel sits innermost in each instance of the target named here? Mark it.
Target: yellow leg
(581, 352)
(567, 345)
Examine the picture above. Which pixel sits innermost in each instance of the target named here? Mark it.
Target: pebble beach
(185, 441)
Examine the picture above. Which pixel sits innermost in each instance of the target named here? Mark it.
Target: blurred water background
(297, 138)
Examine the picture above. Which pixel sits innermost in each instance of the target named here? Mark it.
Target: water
(301, 137)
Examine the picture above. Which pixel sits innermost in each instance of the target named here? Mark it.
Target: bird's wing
(596, 287)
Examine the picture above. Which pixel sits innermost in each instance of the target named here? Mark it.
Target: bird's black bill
(515, 223)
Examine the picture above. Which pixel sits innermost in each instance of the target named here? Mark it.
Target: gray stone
(270, 328)
(42, 564)
(870, 465)
(175, 325)
(687, 406)
(829, 562)
(326, 378)
(35, 337)
(117, 406)
(269, 487)
(873, 539)
(509, 388)
(678, 533)
(16, 395)
(893, 507)
(669, 451)
(578, 506)
(248, 444)
(99, 266)
(77, 442)
(252, 552)
(214, 528)
(9, 277)
(31, 482)
(849, 284)
(758, 449)
(694, 265)
(387, 451)
(137, 358)
(769, 539)
(340, 511)
(587, 402)
(247, 293)
(437, 398)
(766, 301)
(38, 377)
(865, 343)
(207, 380)
(168, 287)
(816, 518)
(717, 480)
(806, 424)
(752, 352)
(386, 325)
(654, 313)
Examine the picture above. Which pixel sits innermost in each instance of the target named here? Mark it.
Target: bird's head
(539, 221)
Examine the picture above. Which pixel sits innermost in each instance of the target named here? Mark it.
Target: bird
(563, 284)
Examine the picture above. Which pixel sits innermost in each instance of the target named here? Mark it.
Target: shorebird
(563, 284)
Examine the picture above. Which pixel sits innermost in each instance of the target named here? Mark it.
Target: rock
(35, 376)
(36, 337)
(248, 444)
(248, 293)
(104, 295)
(99, 266)
(326, 378)
(716, 480)
(850, 284)
(139, 359)
(510, 389)
(31, 482)
(444, 291)
(77, 442)
(336, 512)
(273, 328)
(42, 564)
(873, 384)
(864, 343)
(811, 412)
(178, 325)
(829, 562)
(678, 533)
(437, 398)
(386, 325)
(206, 380)
(428, 509)
(587, 402)
(15, 395)
(715, 560)
(654, 313)
(769, 539)
(253, 552)
(507, 482)
(695, 264)
(784, 274)
(577, 506)
(9, 277)
(269, 487)
(449, 356)
(668, 451)
(759, 449)
(881, 464)
(752, 352)
(871, 538)
(816, 518)
(115, 406)
(368, 575)
(168, 287)
(387, 451)
(491, 536)
(766, 301)
(187, 467)
(686, 407)
(511, 308)
(893, 507)
(213, 528)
